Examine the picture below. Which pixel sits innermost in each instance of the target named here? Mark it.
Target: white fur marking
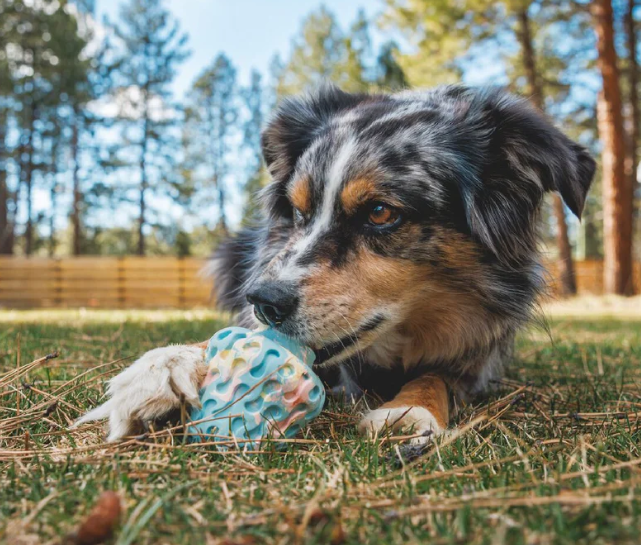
(321, 225)
(419, 419)
(150, 388)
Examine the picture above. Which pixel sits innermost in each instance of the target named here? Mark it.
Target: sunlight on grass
(89, 316)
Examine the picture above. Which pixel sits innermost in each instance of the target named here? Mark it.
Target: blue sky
(250, 32)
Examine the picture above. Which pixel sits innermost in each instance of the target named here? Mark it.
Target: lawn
(551, 457)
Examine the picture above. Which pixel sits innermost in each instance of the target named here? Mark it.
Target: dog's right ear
(297, 121)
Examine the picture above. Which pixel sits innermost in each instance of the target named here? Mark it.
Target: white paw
(416, 420)
(150, 388)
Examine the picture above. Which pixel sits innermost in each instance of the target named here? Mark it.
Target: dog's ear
(525, 157)
(297, 121)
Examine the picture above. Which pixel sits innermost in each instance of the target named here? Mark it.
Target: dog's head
(405, 211)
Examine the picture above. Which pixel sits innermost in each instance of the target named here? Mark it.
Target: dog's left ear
(298, 120)
(525, 157)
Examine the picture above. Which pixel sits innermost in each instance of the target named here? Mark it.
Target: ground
(551, 457)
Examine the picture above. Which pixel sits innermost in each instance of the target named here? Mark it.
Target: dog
(399, 242)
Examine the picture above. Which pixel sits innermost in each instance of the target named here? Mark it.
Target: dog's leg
(153, 386)
(422, 405)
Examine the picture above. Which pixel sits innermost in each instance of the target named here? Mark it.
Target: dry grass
(551, 457)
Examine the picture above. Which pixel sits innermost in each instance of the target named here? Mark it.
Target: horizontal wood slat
(103, 282)
(151, 282)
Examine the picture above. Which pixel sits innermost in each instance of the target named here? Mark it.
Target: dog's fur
(428, 303)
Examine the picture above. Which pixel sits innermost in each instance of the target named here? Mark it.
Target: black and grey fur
(465, 166)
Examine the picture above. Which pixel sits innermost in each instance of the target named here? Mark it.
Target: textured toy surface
(259, 384)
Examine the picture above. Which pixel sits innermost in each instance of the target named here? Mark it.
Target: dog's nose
(273, 302)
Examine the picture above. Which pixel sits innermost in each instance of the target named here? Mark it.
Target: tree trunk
(52, 223)
(28, 180)
(221, 207)
(617, 205)
(565, 265)
(54, 194)
(77, 195)
(632, 159)
(143, 184)
(6, 226)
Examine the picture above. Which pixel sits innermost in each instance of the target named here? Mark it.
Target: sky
(250, 32)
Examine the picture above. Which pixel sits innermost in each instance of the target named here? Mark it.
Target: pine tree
(153, 48)
(317, 54)
(452, 37)
(617, 205)
(567, 280)
(41, 62)
(390, 76)
(255, 174)
(6, 200)
(210, 121)
(357, 70)
(322, 51)
(438, 32)
(633, 118)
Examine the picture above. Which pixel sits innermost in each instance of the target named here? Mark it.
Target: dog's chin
(346, 347)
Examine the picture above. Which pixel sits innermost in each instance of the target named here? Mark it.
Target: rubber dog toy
(259, 384)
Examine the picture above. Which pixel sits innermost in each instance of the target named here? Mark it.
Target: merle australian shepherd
(398, 241)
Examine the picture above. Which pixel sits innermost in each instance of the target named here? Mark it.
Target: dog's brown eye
(381, 215)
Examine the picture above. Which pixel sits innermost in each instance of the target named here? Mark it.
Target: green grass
(551, 457)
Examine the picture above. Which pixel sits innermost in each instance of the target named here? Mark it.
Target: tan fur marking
(300, 195)
(447, 321)
(357, 192)
(429, 392)
(441, 321)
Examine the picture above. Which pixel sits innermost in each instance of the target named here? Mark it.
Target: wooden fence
(147, 282)
(589, 276)
(104, 282)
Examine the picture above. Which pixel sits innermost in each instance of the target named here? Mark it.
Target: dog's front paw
(150, 388)
(416, 420)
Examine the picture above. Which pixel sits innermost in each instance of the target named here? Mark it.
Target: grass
(553, 456)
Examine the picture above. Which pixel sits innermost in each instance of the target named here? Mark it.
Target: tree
(617, 204)
(634, 114)
(32, 66)
(6, 222)
(153, 47)
(317, 54)
(322, 51)
(210, 121)
(255, 173)
(355, 74)
(390, 76)
(75, 84)
(457, 38)
(41, 61)
(438, 32)
(567, 280)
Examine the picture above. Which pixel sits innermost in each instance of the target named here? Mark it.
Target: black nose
(273, 302)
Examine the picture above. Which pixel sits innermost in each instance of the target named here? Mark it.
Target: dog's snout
(273, 302)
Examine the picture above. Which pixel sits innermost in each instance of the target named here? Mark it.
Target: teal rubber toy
(259, 384)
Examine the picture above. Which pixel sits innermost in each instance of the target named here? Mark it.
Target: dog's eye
(382, 215)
